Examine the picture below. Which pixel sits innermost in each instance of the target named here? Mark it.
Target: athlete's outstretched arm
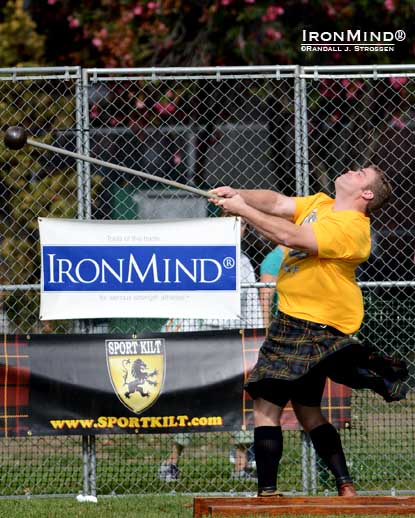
(276, 228)
(269, 202)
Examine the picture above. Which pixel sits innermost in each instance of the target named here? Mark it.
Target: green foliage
(20, 44)
(30, 188)
(28, 191)
(19, 247)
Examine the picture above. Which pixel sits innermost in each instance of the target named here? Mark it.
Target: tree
(19, 42)
(28, 188)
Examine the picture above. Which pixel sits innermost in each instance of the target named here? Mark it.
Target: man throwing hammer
(320, 305)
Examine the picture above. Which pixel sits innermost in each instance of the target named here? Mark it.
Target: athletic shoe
(268, 491)
(168, 472)
(347, 489)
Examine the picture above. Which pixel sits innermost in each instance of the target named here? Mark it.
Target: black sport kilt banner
(152, 383)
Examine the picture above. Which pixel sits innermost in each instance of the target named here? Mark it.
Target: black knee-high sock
(327, 444)
(268, 445)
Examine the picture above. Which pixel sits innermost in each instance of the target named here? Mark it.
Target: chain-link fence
(289, 129)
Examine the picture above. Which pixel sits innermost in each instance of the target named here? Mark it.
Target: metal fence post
(85, 465)
(304, 136)
(86, 146)
(79, 145)
(299, 177)
(305, 462)
(92, 466)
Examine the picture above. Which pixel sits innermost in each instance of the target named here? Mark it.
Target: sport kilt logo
(136, 369)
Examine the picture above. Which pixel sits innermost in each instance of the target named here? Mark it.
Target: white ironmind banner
(106, 269)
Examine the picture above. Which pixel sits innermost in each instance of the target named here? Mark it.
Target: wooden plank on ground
(319, 510)
(323, 505)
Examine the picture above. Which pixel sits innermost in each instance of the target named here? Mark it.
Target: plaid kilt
(294, 346)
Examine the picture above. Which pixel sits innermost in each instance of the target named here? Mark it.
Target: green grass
(126, 507)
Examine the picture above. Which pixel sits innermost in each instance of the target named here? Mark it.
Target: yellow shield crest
(136, 368)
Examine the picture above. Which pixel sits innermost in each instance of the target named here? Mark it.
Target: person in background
(251, 311)
(269, 269)
(251, 317)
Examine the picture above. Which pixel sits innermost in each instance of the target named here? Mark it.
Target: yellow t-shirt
(323, 288)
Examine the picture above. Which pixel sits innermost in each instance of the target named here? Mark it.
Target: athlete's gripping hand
(224, 191)
(235, 205)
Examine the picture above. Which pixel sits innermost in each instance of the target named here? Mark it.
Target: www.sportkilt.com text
(111, 422)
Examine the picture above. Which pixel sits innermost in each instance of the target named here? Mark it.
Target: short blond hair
(381, 188)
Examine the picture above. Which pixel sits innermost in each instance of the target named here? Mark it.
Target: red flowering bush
(213, 32)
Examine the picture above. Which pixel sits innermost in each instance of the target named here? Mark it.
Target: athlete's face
(355, 181)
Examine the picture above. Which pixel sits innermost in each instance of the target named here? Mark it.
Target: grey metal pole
(85, 470)
(298, 134)
(304, 137)
(304, 461)
(79, 164)
(122, 169)
(313, 470)
(86, 146)
(92, 466)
